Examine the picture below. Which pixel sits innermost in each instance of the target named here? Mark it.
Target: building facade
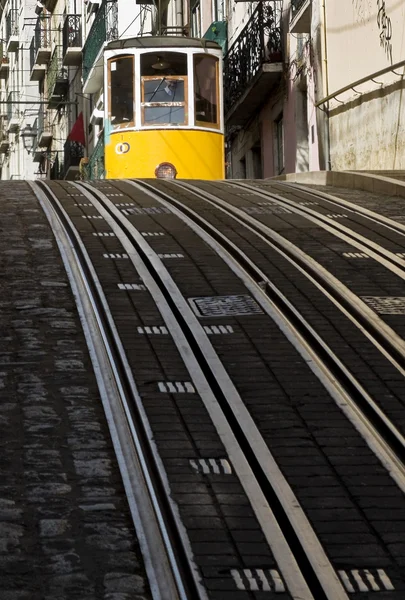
(326, 108)
(367, 119)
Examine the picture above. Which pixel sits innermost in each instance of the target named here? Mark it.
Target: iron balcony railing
(4, 141)
(12, 106)
(44, 122)
(3, 55)
(56, 170)
(35, 128)
(12, 23)
(42, 32)
(259, 42)
(296, 5)
(57, 73)
(72, 33)
(73, 152)
(104, 29)
(33, 52)
(94, 169)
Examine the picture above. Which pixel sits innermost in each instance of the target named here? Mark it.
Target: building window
(279, 145)
(218, 10)
(196, 19)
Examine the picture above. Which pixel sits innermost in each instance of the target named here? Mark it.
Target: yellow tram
(163, 108)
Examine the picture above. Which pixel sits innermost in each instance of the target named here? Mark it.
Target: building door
(279, 145)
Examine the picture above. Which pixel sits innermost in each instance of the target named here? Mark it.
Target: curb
(369, 182)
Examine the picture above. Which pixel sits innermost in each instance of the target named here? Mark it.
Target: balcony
(12, 36)
(72, 40)
(73, 153)
(253, 64)
(37, 71)
(300, 21)
(4, 143)
(57, 80)
(42, 40)
(93, 167)
(44, 129)
(104, 29)
(36, 151)
(56, 170)
(4, 63)
(13, 112)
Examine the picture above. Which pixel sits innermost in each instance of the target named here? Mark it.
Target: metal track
(172, 574)
(391, 441)
(266, 488)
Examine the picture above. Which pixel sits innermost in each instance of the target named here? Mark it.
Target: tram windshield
(164, 88)
(121, 84)
(206, 83)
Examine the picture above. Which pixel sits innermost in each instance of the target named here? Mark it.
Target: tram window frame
(130, 122)
(168, 104)
(200, 123)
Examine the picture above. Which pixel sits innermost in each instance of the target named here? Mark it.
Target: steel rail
(342, 203)
(387, 338)
(364, 244)
(146, 495)
(390, 443)
(265, 486)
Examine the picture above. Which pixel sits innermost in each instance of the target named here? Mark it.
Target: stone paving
(65, 526)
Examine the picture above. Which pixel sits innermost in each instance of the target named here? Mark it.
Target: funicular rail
(383, 337)
(299, 545)
(168, 564)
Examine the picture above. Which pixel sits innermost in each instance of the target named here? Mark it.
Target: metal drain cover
(224, 306)
(386, 305)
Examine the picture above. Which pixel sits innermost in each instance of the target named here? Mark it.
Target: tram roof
(161, 41)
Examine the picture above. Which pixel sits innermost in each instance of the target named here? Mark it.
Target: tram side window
(121, 81)
(206, 84)
(164, 89)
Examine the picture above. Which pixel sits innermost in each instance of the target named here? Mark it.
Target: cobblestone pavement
(65, 526)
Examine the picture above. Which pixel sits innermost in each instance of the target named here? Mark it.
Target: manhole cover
(224, 306)
(386, 305)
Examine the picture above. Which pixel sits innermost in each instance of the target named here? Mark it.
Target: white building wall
(367, 125)
(239, 14)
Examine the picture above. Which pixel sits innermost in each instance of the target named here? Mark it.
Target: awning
(77, 132)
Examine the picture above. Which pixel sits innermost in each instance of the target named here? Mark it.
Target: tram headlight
(165, 171)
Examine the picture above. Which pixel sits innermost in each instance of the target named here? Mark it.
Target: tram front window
(164, 89)
(206, 84)
(121, 83)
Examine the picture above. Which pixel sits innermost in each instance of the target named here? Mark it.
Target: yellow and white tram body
(163, 102)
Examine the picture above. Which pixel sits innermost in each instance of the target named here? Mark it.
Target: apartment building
(335, 101)
(344, 105)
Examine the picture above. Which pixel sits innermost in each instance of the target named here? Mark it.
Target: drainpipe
(325, 84)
